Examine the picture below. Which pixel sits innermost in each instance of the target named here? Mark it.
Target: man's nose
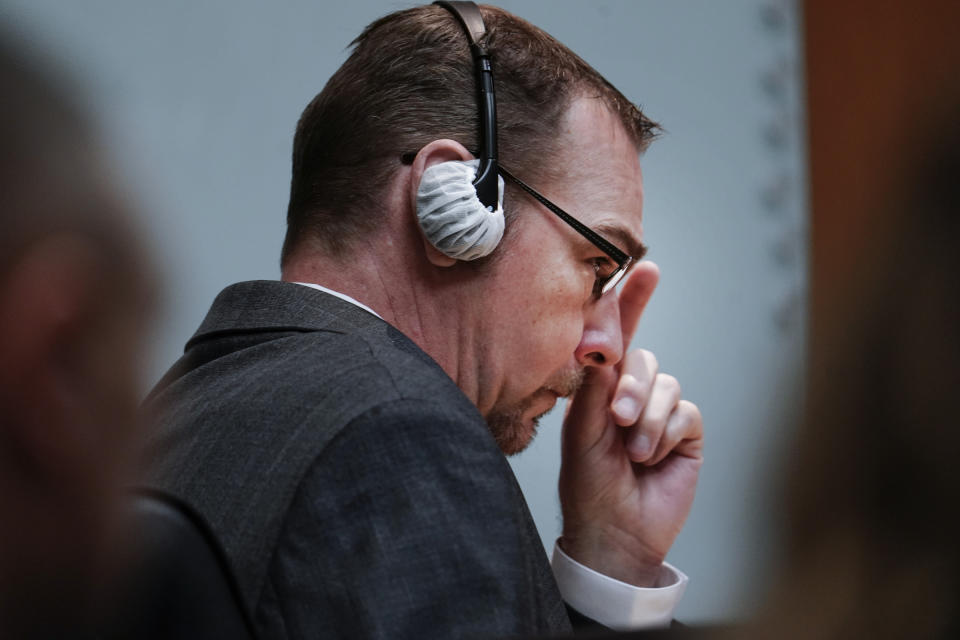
(602, 341)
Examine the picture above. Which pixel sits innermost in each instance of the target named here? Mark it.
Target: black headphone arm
(487, 181)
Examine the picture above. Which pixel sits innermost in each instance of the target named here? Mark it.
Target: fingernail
(641, 446)
(626, 408)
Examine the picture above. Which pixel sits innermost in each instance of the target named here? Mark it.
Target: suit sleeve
(408, 525)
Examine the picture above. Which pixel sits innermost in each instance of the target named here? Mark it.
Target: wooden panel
(873, 69)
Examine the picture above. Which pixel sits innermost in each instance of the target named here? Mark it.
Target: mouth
(565, 384)
(554, 397)
(562, 385)
(514, 426)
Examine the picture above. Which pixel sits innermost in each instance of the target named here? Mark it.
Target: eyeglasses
(624, 262)
(603, 283)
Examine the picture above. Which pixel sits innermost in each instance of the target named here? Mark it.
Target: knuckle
(651, 360)
(691, 417)
(669, 383)
(630, 385)
(653, 424)
(691, 410)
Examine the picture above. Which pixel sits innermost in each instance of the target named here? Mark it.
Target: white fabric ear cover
(451, 215)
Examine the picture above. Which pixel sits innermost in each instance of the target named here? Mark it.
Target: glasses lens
(601, 286)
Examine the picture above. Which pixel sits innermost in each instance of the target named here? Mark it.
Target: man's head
(525, 320)
(411, 80)
(72, 305)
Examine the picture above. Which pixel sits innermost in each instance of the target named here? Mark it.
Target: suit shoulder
(370, 368)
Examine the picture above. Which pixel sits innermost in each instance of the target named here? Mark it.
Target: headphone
(460, 204)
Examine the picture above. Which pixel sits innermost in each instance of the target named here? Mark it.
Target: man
(344, 430)
(74, 300)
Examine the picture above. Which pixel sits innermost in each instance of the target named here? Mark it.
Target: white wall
(199, 101)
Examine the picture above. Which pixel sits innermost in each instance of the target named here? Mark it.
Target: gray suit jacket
(356, 491)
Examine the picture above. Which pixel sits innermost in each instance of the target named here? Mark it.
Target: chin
(514, 428)
(513, 434)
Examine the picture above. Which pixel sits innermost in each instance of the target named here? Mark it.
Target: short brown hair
(410, 80)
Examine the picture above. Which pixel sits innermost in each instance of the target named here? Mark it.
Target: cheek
(544, 314)
(556, 328)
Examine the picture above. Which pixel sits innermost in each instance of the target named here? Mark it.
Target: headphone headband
(487, 180)
(468, 13)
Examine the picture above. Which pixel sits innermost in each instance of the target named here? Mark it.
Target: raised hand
(632, 451)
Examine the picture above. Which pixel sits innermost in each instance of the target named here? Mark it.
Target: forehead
(598, 178)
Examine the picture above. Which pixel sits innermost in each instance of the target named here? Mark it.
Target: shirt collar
(342, 296)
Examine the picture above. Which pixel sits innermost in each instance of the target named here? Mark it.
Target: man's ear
(47, 300)
(433, 153)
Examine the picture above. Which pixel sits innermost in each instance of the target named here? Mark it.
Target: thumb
(634, 297)
(588, 414)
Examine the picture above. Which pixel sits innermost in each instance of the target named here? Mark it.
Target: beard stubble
(506, 423)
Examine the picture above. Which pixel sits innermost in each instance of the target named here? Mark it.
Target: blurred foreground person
(73, 301)
(872, 534)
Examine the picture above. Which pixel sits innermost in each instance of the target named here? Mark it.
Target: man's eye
(603, 266)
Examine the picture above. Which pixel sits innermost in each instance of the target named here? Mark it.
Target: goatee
(506, 423)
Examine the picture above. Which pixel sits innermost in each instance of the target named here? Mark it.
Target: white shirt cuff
(617, 604)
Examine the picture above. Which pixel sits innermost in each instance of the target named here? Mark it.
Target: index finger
(634, 296)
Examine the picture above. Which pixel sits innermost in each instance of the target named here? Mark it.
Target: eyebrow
(622, 238)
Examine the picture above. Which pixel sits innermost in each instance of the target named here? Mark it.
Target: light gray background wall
(198, 102)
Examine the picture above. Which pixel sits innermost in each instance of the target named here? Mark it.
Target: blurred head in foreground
(73, 302)
(874, 544)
